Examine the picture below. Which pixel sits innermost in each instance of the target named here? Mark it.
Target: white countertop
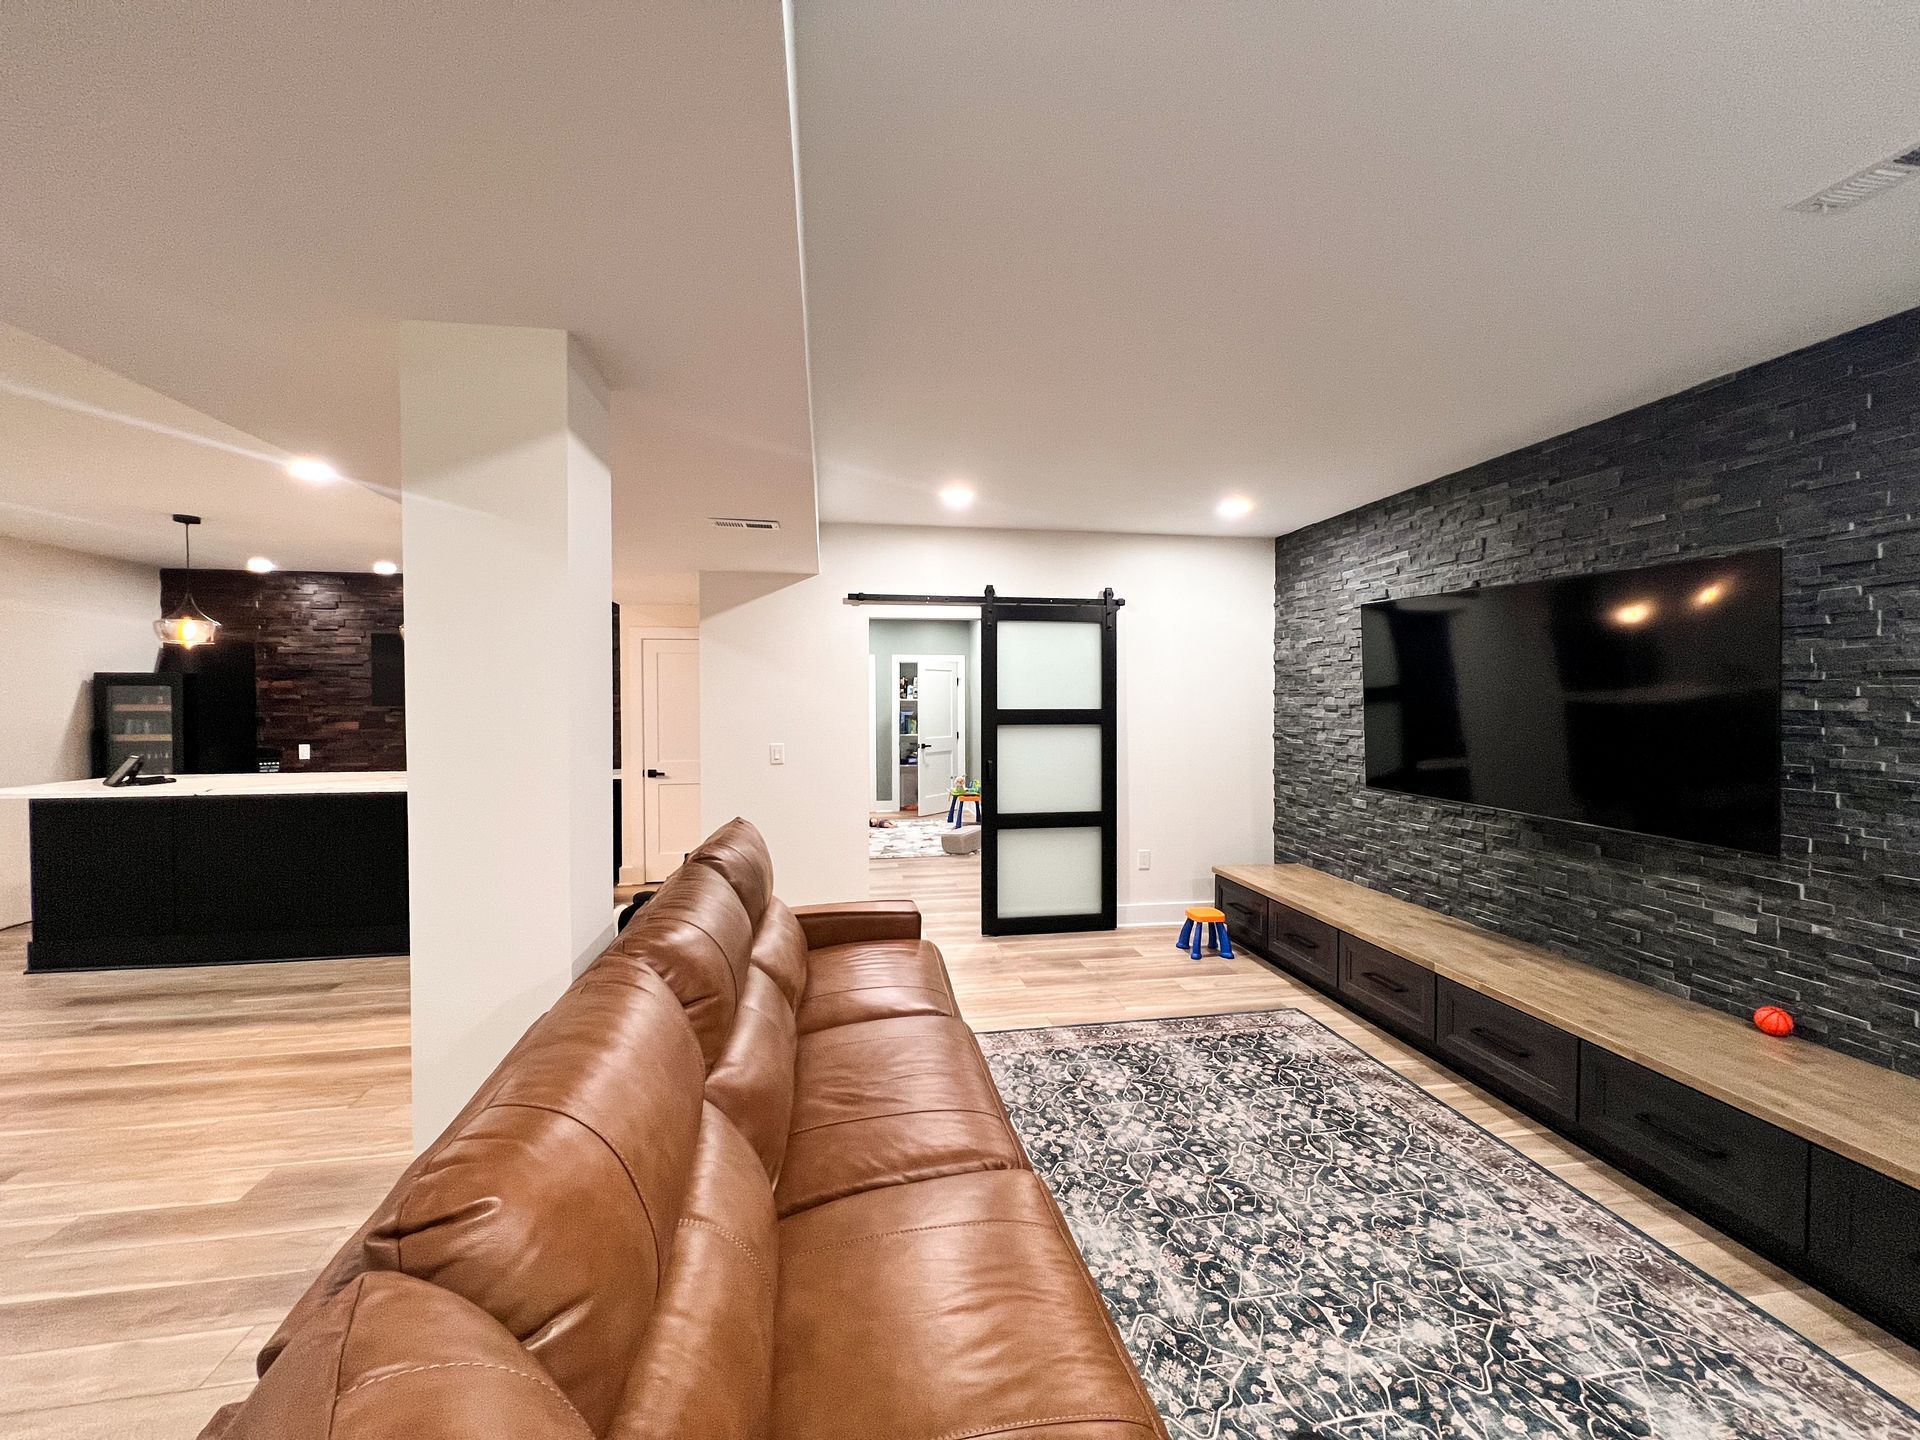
(302, 782)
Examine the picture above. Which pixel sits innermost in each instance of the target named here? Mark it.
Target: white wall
(63, 615)
(507, 515)
(785, 661)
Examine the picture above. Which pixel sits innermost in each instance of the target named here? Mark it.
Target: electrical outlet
(776, 754)
(306, 751)
(1146, 859)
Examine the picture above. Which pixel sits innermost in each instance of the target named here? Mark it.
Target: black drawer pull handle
(1384, 982)
(1651, 1122)
(1302, 941)
(1494, 1040)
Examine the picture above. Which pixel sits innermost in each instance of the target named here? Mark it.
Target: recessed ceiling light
(956, 496)
(261, 565)
(1234, 507)
(305, 467)
(385, 567)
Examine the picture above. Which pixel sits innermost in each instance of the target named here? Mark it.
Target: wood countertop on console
(1865, 1112)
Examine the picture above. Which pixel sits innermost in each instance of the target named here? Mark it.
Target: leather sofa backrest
(738, 853)
(704, 1370)
(780, 949)
(697, 936)
(554, 1205)
(393, 1358)
(752, 1083)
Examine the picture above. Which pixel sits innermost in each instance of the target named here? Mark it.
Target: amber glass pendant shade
(187, 625)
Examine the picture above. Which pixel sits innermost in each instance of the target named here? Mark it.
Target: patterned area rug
(1296, 1241)
(910, 835)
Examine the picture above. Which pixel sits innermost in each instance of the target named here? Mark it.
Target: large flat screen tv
(1645, 700)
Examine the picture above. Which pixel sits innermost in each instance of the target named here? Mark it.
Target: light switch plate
(306, 751)
(776, 754)
(1146, 859)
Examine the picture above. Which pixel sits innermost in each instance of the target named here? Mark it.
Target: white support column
(507, 510)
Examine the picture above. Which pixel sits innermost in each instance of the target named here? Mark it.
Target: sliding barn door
(1048, 758)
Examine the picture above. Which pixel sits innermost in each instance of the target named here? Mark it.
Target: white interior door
(669, 752)
(943, 712)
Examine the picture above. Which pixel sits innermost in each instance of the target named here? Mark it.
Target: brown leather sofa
(749, 1177)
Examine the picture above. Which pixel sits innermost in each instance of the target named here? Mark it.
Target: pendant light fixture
(188, 625)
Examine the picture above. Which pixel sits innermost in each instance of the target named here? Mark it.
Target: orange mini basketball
(1773, 1020)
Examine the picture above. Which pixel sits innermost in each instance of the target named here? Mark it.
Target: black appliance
(139, 713)
(1644, 700)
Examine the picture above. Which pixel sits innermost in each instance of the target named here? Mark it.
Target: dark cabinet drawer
(1510, 1051)
(1246, 913)
(1863, 1238)
(1396, 992)
(1748, 1175)
(1303, 944)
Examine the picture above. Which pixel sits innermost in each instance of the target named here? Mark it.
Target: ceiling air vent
(738, 522)
(1863, 185)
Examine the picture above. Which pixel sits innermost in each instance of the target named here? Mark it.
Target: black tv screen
(1645, 700)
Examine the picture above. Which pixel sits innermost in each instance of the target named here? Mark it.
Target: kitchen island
(217, 869)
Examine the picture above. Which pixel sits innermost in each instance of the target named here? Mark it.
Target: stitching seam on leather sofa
(1003, 1427)
(878, 985)
(766, 1276)
(1100, 1303)
(872, 1235)
(545, 1385)
(896, 1115)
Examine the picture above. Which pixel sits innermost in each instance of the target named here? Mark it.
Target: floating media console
(217, 868)
(1808, 1155)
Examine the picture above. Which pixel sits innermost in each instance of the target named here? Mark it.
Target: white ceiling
(1112, 262)
(92, 461)
(235, 203)
(1106, 263)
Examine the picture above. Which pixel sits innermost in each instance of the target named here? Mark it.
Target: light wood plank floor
(179, 1150)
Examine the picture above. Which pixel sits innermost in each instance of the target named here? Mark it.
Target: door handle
(658, 775)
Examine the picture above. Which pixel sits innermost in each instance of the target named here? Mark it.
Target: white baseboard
(1156, 912)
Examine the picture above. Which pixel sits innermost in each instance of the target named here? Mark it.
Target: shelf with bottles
(137, 713)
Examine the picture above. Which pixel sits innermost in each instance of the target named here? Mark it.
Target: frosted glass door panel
(1049, 872)
(1049, 767)
(1048, 664)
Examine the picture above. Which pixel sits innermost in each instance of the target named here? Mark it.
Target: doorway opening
(923, 711)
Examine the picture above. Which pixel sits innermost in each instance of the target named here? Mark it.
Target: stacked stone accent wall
(1818, 453)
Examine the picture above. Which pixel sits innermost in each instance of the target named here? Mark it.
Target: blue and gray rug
(1296, 1241)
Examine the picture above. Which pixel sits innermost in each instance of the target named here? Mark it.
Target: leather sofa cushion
(780, 949)
(554, 1208)
(695, 934)
(738, 853)
(873, 980)
(888, 1101)
(752, 1082)
(394, 1358)
(705, 1368)
(951, 1307)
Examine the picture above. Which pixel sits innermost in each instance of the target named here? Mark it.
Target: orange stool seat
(1205, 926)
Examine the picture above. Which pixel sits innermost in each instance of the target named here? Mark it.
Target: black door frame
(1105, 612)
